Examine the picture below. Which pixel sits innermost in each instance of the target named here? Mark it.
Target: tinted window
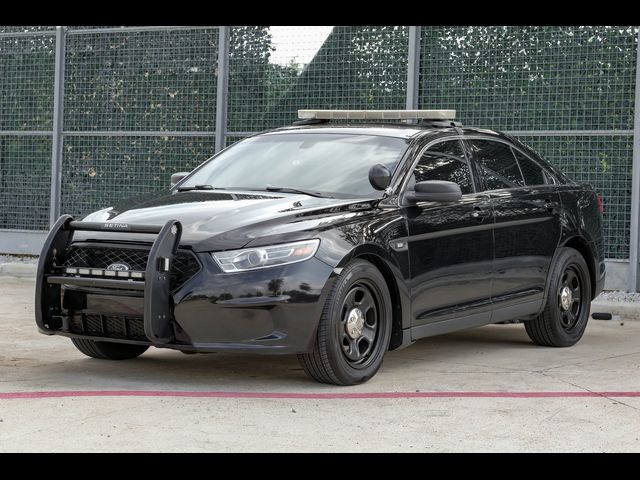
(444, 161)
(334, 163)
(531, 171)
(498, 164)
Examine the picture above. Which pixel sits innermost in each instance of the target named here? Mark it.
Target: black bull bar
(156, 284)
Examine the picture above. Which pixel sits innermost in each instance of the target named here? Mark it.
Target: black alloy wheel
(354, 328)
(569, 291)
(358, 328)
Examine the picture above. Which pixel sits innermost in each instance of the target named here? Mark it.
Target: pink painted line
(307, 396)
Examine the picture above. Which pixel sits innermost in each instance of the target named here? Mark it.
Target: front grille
(184, 265)
(130, 327)
(102, 257)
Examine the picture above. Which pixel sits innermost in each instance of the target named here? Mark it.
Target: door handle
(479, 214)
(550, 205)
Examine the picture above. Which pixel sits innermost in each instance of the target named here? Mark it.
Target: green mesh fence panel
(99, 171)
(531, 78)
(26, 105)
(26, 82)
(546, 78)
(26, 29)
(356, 67)
(135, 81)
(141, 81)
(25, 182)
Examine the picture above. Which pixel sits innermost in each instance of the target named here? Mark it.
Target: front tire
(354, 330)
(108, 350)
(565, 316)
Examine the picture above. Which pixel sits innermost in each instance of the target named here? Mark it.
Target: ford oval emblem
(119, 267)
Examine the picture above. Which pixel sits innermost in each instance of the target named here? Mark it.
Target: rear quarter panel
(581, 218)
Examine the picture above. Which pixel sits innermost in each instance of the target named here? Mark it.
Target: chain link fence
(140, 103)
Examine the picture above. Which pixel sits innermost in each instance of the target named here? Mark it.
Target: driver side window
(443, 161)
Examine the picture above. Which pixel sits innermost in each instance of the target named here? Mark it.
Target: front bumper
(272, 310)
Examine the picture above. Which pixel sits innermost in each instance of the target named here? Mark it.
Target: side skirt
(500, 314)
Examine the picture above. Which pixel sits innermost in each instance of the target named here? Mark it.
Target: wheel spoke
(353, 353)
(575, 293)
(563, 279)
(366, 303)
(369, 333)
(350, 299)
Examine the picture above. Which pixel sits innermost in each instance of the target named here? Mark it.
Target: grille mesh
(130, 327)
(183, 268)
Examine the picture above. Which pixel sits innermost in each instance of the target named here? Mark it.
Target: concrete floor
(497, 358)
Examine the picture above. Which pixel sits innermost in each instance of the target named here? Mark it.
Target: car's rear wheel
(108, 350)
(564, 319)
(354, 329)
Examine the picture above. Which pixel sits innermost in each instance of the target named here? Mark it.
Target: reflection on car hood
(218, 220)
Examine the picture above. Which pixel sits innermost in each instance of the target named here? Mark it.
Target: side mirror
(434, 191)
(176, 177)
(379, 176)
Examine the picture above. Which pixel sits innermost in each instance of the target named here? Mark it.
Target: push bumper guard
(155, 285)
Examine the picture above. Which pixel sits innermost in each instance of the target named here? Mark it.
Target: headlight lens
(263, 257)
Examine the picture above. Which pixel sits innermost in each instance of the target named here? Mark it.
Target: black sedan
(335, 242)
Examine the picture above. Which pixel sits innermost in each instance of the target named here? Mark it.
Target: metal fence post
(58, 125)
(222, 96)
(413, 68)
(635, 183)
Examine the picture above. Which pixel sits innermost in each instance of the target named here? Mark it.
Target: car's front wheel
(565, 317)
(108, 350)
(354, 329)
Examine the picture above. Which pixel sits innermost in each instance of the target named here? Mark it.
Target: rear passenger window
(443, 161)
(498, 164)
(532, 172)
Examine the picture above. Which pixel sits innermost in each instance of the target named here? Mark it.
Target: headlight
(263, 257)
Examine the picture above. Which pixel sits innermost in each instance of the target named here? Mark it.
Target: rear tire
(354, 330)
(108, 350)
(565, 316)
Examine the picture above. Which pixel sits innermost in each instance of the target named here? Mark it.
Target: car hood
(216, 220)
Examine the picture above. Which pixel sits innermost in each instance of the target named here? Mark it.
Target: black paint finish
(527, 231)
(449, 265)
(450, 256)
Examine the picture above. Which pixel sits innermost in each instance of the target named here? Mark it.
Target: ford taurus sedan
(333, 240)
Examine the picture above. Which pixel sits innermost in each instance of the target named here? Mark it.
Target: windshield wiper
(311, 193)
(199, 187)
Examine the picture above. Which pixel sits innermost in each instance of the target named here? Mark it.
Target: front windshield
(334, 164)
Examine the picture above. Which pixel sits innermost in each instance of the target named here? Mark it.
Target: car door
(450, 243)
(527, 222)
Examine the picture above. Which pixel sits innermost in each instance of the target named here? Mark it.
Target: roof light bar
(377, 114)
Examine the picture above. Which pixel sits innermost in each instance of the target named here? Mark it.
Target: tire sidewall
(352, 274)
